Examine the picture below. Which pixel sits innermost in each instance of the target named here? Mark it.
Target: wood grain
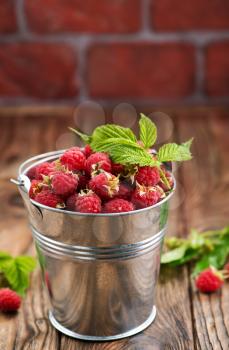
(206, 179)
(186, 320)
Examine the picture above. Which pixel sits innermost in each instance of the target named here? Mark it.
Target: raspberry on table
(9, 300)
(105, 185)
(98, 161)
(73, 159)
(50, 199)
(209, 280)
(118, 205)
(147, 176)
(44, 169)
(88, 203)
(64, 184)
(143, 196)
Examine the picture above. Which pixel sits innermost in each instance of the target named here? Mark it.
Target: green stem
(164, 178)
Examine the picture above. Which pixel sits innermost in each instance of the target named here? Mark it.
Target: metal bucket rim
(68, 212)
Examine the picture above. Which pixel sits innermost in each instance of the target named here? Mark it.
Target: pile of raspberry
(89, 182)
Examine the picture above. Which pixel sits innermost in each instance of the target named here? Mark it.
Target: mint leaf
(84, 137)
(17, 271)
(174, 255)
(174, 152)
(148, 131)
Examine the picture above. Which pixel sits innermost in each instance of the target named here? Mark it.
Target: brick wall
(138, 51)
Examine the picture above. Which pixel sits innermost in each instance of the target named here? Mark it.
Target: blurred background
(83, 63)
(144, 52)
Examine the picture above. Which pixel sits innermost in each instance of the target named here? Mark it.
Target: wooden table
(186, 319)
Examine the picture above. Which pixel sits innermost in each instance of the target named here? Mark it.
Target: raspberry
(118, 206)
(98, 161)
(73, 159)
(64, 184)
(9, 300)
(31, 173)
(44, 169)
(169, 177)
(209, 280)
(88, 203)
(35, 188)
(87, 151)
(124, 192)
(105, 185)
(147, 176)
(83, 182)
(117, 168)
(71, 201)
(143, 197)
(160, 191)
(49, 198)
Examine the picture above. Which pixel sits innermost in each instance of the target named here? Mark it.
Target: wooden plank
(206, 180)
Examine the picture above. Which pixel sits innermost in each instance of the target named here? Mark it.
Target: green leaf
(124, 154)
(190, 254)
(108, 131)
(174, 255)
(148, 131)
(174, 152)
(105, 146)
(188, 143)
(217, 257)
(17, 271)
(84, 137)
(196, 240)
(4, 257)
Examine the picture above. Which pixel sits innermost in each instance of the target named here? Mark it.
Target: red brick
(190, 14)
(37, 70)
(141, 70)
(115, 16)
(217, 69)
(8, 23)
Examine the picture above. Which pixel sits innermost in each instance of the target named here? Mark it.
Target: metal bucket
(100, 270)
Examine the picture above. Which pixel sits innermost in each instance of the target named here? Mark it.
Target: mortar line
(198, 38)
(21, 21)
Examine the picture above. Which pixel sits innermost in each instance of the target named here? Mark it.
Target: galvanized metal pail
(100, 270)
